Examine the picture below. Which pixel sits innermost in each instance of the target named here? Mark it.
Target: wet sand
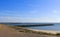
(47, 31)
(6, 31)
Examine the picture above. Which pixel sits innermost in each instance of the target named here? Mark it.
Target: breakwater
(34, 25)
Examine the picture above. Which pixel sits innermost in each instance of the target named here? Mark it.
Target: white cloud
(54, 11)
(43, 20)
(10, 19)
(40, 19)
(18, 19)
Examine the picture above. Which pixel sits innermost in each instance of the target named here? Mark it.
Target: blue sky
(29, 10)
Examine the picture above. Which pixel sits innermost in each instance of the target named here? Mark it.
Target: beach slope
(6, 31)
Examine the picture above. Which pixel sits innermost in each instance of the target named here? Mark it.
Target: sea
(55, 27)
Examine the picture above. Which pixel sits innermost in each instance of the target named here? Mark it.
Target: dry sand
(6, 31)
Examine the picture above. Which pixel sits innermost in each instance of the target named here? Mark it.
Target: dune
(6, 31)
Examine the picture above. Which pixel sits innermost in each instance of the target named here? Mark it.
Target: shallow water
(55, 27)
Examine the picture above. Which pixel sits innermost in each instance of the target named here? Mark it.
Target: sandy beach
(6, 31)
(47, 31)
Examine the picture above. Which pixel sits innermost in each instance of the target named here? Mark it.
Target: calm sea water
(56, 26)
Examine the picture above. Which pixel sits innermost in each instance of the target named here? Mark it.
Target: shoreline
(47, 31)
(12, 31)
(23, 29)
(29, 30)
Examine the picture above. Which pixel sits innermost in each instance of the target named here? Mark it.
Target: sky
(29, 10)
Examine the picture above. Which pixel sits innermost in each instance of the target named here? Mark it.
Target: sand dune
(6, 31)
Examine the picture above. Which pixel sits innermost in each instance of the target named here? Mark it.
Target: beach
(6, 31)
(47, 31)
